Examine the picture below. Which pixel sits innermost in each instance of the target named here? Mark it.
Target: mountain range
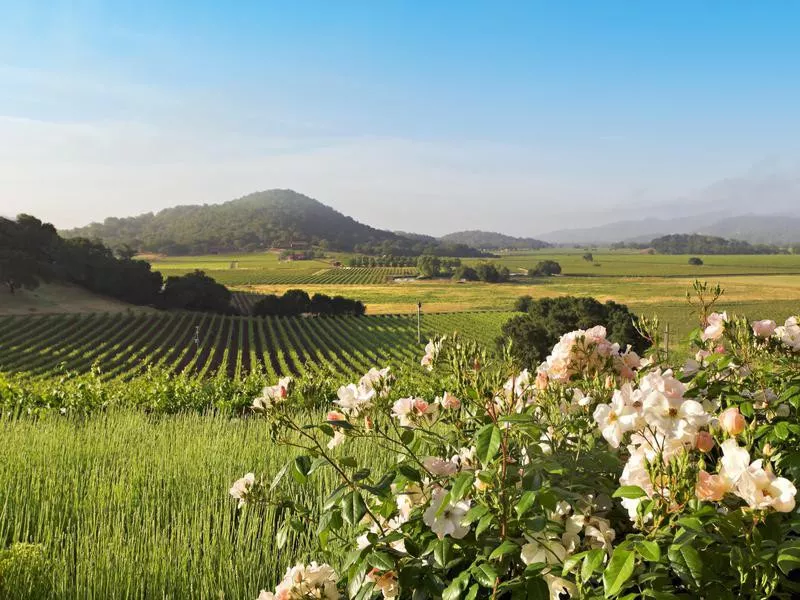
(753, 228)
(288, 219)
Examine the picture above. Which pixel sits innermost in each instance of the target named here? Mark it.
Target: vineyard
(204, 345)
(330, 276)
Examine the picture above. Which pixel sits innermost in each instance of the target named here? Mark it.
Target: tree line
(32, 251)
(695, 243)
(298, 302)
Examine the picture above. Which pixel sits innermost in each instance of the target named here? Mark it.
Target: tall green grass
(130, 506)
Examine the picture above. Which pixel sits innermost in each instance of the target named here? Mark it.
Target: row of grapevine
(332, 276)
(123, 345)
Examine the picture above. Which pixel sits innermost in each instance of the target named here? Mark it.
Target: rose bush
(603, 474)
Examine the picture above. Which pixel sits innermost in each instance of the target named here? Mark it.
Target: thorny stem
(351, 484)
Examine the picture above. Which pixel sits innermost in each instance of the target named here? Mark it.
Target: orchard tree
(545, 268)
(547, 319)
(428, 265)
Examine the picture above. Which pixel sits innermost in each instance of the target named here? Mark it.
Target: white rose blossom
(240, 489)
(448, 521)
(715, 326)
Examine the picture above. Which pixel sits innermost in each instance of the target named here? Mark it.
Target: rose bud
(704, 441)
(732, 421)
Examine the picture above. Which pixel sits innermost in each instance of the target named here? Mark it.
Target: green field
(127, 506)
(266, 268)
(628, 263)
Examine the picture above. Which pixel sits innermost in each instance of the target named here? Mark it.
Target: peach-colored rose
(541, 380)
(711, 487)
(450, 401)
(335, 415)
(732, 421)
(704, 441)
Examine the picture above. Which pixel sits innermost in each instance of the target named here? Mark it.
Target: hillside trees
(682, 243)
(93, 266)
(259, 221)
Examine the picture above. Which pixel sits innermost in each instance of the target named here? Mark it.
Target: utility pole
(419, 319)
(666, 341)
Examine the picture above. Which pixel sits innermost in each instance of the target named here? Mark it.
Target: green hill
(269, 219)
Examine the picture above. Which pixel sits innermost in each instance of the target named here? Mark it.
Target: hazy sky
(423, 116)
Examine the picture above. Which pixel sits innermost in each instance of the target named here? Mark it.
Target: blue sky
(425, 116)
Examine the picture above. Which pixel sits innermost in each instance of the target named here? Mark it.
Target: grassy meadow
(130, 506)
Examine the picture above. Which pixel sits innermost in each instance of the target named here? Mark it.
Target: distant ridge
(755, 229)
(489, 240)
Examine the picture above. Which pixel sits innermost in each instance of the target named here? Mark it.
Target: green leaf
(483, 524)
(525, 503)
(443, 552)
(456, 587)
(462, 485)
(333, 499)
(348, 461)
(484, 574)
(591, 563)
(648, 550)
(278, 477)
(507, 547)
(630, 491)
(572, 561)
(318, 464)
(618, 571)
(475, 513)
(781, 430)
(536, 588)
(686, 561)
(361, 474)
(301, 468)
(487, 442)
(381, 560)
(282, 536)
(382, 488)
(409, 472)
(789, 557)
(473, 592)
(353, 508)
(407, 436)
